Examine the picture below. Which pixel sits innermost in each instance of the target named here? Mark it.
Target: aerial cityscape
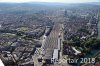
(50, 34)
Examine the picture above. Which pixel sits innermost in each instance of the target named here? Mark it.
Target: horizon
(48, 1)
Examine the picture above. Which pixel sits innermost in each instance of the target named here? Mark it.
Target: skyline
(59, 1)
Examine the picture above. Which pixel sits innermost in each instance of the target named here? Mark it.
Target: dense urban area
(49, 34)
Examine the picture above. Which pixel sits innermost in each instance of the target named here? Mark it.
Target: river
(99, 29)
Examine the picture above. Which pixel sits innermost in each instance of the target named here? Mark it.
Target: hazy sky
(62, 1)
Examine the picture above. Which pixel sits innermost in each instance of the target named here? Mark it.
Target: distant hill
(94, 3)
(37, 6)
